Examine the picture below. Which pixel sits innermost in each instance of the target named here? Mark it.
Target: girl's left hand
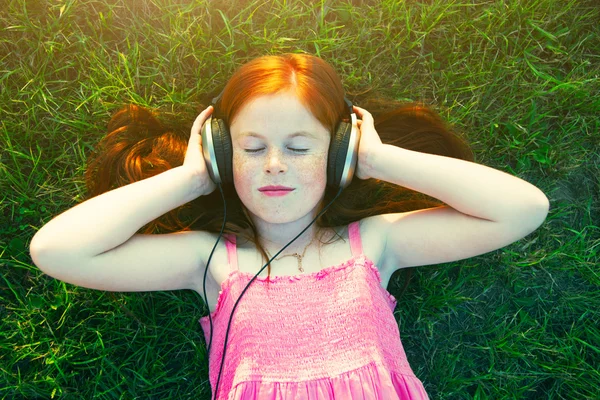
(369, 144)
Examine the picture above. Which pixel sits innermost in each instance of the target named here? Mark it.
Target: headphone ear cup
(338, 153)
(223, 150)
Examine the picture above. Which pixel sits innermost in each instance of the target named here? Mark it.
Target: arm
(106, 221)
(470, 188)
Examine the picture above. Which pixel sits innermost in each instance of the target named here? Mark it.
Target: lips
(275, 188)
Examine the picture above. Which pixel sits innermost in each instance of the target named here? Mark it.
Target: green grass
(522, 78)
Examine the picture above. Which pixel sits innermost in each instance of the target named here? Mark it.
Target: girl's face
(266, 152)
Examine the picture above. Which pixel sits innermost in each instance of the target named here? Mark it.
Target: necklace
(298, 256)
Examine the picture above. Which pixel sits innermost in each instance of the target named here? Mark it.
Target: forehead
(291, 135)
(281, 115)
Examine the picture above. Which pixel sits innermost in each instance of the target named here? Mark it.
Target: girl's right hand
(194, 159)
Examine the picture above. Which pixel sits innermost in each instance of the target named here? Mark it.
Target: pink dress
(326, 335)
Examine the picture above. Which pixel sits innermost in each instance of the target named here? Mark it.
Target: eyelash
(257, 150)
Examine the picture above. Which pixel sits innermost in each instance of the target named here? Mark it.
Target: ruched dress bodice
(326, 335)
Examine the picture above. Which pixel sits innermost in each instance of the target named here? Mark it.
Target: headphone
(218, 156)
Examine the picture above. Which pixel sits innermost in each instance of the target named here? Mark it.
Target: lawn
(520, 78)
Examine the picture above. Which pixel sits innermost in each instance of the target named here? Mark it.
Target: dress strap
(355, 240)
(230, 243)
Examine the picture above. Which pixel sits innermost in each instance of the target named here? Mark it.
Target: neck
(297, 246)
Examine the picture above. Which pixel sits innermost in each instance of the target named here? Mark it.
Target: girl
(318, 323)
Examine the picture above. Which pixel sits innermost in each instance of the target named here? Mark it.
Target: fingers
(205, 113)
(362, 113)
(364, 116)
(200, 119)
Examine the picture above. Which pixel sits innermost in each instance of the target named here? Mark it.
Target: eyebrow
(291, 135)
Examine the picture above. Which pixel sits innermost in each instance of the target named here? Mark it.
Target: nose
(274, 162)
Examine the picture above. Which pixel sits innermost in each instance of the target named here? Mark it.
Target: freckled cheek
(313, 170)
(243, 169)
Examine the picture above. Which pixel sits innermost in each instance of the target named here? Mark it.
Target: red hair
(314, 82)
